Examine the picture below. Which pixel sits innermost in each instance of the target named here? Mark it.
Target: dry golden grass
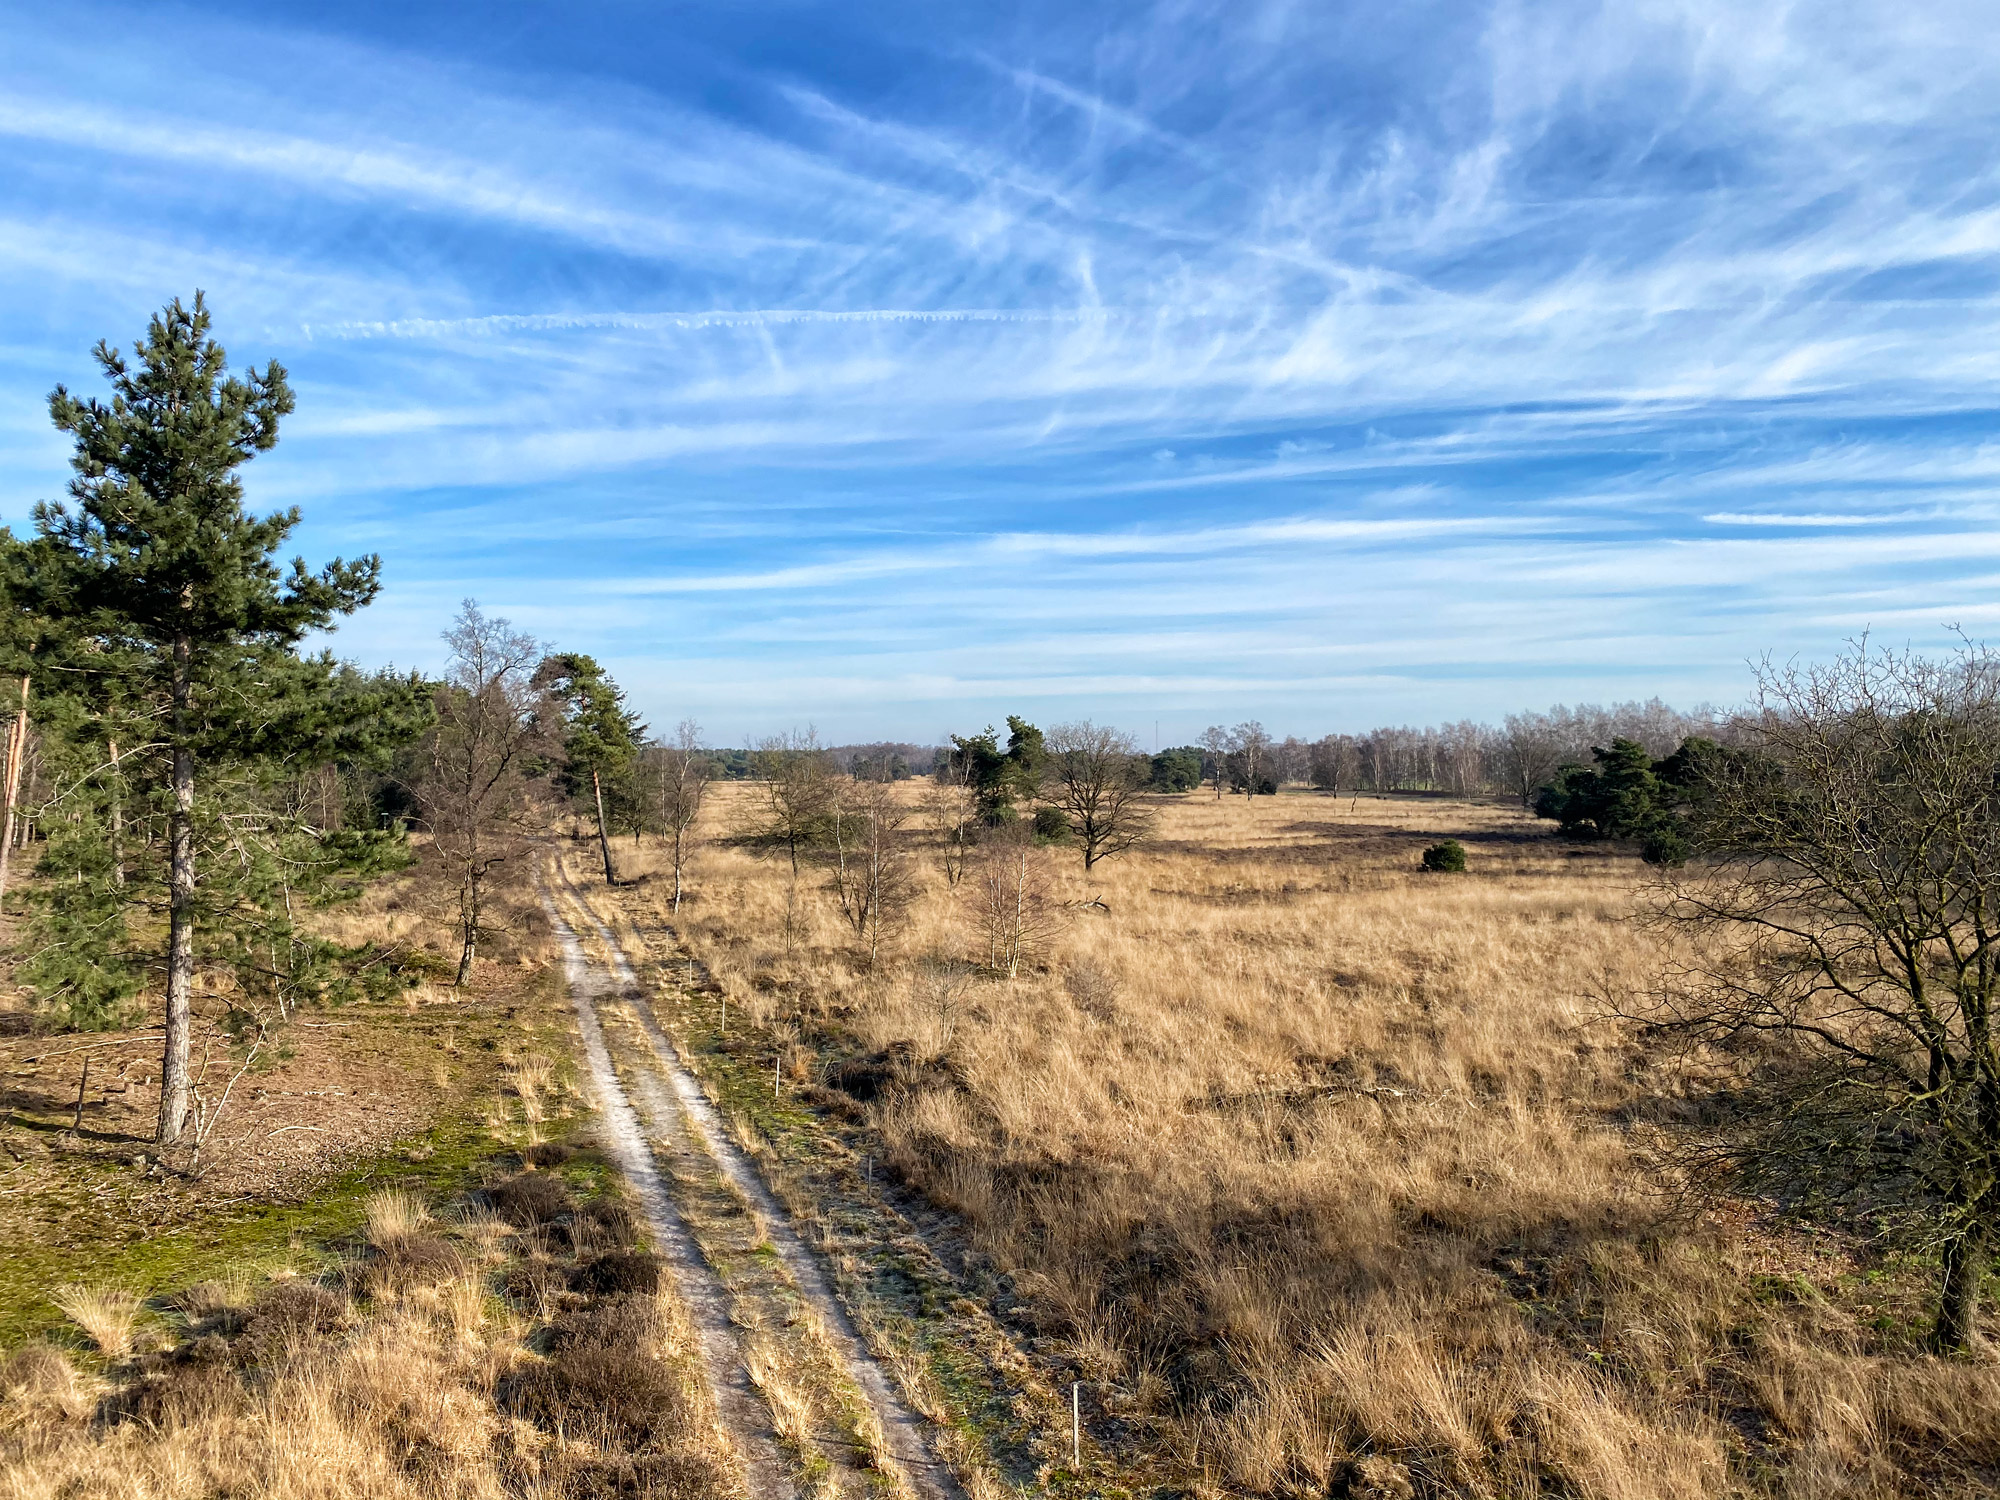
(1305, 1158)
(105, 1314)
(394, 1217)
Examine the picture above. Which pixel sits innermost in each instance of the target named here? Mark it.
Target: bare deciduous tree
(1011, 901)
(471, 792)
(938, 986)
(951, 807)
(1531, 750)
(1842, 949)
(1334, 763)
(871, 876)
(796, 783)
(1215, 745)
(1097, 777)
(1249, 755)
(685, 770)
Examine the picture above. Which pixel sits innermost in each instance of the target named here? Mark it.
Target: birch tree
(472, 790)
(795, 783)
(1010, 900)
(870, 866)
(685, 770)
(1215, 746)
(951, 808)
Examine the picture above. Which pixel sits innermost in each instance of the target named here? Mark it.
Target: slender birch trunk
(469, 913)
(468, 908)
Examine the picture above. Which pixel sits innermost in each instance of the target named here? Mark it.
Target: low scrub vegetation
(514, 1343)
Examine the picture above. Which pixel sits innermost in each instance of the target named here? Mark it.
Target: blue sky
(894, 367)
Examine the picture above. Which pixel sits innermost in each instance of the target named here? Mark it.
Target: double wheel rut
(810, 1409)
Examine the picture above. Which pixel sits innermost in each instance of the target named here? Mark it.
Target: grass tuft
(394, 1217)
(105, 1314)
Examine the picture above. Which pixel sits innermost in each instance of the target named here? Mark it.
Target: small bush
(1051, 827)
(1447, 858)
(289, 1316)
(1665, 845)
(603, 1379)
(38, 1382)
(194, 1382)
(613, 1219)
(534, 1284)
(531, 1199)
(1093, 987)
(622, 1271)
(412, 1261)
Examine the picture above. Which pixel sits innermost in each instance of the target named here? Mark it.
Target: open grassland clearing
(1323, 1172)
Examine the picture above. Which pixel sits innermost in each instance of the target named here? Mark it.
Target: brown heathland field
(1322, 1176)
(1323, 1172)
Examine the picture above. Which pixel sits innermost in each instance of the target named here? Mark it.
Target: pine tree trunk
(1965, 1262)
(174, 1064)
(17, 751)
(603, 839)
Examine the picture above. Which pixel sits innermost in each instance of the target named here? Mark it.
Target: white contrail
(746, 318)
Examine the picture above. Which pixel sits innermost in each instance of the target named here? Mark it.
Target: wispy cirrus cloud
(1280, 360)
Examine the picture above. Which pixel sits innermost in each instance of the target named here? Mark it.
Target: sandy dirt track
(686, 1128)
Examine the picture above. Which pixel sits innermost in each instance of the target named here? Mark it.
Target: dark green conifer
(191, 628)
(600, 736)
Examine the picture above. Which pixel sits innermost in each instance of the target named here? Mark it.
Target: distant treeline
(1513, 758)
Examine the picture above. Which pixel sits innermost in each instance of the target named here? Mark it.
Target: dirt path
(707, 1302)
(700, 1128)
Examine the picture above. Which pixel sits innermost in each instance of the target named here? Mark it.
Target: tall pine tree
(175, 588)
(600, 736)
